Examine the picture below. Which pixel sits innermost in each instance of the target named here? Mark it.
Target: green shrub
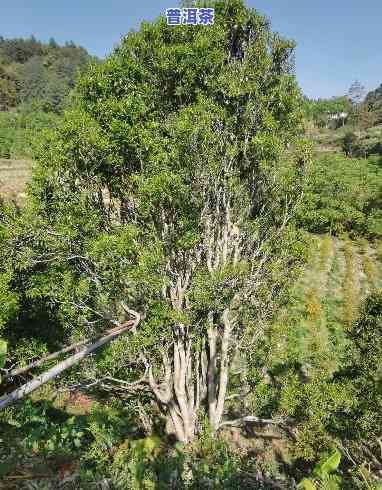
(348, 143)
(323, 477)
(343, 195)
(110, 425)
(314, 405)
(47, 430)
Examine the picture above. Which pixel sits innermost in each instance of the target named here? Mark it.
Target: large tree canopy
(169, 189)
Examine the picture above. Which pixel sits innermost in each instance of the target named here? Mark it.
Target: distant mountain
(34, 71)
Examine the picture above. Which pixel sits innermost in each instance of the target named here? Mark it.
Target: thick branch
(163, 393)
(211, 370)
(54, 355)
(64, 365)
(224, 364)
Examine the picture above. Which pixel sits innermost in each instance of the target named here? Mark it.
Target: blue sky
(338, 41)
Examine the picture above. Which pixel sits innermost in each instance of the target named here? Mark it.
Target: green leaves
(343, 194)
(307, 484)
(45, 433)
(9, 299)
(323, 474)
(319, 110)
(364, 373)
(214, 291)
(3, 353)
(323, 469)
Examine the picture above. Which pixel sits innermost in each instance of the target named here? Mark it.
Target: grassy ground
(326, 300)
(14, 174)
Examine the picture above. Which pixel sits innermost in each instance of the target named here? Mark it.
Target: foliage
(373, 102)
(314, 405)
(295, 370)
(20, 50)
(323, 478)
(46, 430)
(340, 408)
(137, 464)
(208, 463)
(176, 136)
(348, 143)
(109, 426)
(31, 70)
(215, 465)
(133, 462)
(21, 129)
(343, 195)
(35, 81)
(365, 374)
(320, 111)
(363, 144)
(9, 299)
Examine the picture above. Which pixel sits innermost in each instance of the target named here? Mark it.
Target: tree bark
(224, 367)
(191, 378)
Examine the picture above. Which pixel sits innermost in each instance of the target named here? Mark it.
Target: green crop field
(325, 301)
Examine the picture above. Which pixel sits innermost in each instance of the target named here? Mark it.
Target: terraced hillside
(340, 274)
(14, 174)
(366, 141)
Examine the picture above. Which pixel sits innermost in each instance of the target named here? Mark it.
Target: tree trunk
(191, 379)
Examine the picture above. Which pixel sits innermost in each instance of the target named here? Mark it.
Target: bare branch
(64, 365)
(54, 355)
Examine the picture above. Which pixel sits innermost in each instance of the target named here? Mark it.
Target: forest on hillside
(190, 286)
(35, 81)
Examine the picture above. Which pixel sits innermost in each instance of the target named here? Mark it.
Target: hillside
(363, 142)
(340, 274)
(32, 70)
(35, 81)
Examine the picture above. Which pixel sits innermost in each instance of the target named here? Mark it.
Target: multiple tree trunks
(192, 377)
